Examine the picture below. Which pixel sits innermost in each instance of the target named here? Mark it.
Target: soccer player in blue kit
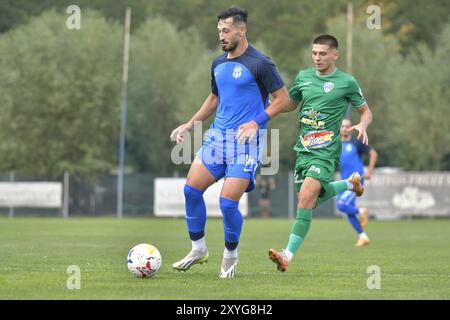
(351, 161)
(241, 80)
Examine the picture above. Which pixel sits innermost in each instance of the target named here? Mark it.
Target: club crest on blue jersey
(237, 71)
(328, 86)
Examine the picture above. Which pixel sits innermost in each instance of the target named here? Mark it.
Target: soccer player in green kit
(325, 92)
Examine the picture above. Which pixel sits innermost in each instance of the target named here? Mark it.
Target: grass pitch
(413, 257)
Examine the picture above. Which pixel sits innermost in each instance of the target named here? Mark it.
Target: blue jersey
(351, 157)
(242, 85)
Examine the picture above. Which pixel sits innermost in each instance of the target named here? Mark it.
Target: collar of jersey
(242, 54)
(327, 75)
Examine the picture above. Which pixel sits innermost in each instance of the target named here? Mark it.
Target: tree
(420, 98)
(60, 95)
(163, 71)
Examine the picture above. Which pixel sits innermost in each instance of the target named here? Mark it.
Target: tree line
(60, 88)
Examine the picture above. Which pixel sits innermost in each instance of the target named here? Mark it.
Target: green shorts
(317, 168)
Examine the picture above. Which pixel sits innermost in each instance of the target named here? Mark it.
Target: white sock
(288, 254)
(230, 254)
(349, 185)
(199, 244)
(363, 235)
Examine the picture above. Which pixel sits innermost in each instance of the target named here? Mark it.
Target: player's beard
(231, 46)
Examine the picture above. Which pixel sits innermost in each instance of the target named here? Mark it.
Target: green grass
(413, 256)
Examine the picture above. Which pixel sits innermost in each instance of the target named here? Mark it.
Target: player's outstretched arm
(280, 103)
(207, 109)
(365, 120)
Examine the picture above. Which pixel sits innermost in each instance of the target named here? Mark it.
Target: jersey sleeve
(362, 148)
(355, 96)
(294, 92)
(269, 76)
(213, 82)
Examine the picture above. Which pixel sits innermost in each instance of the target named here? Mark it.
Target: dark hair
(238, 14)
(326, 39)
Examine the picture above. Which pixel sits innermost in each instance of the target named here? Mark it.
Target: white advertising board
(31, 194)
(169, 198)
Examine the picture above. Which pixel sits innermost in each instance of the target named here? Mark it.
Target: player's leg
(312, 182)
(307, 197)
(242, 162)
(355, 220)
(363, 216)
(231, 193)
(346, 202)
(331, 189)
(264, 204)
(199, 179)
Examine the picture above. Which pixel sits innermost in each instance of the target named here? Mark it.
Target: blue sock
(232, 222)
(195, 212)
(353, 219)
(352, 214)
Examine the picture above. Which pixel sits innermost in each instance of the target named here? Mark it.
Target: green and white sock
(299, 229)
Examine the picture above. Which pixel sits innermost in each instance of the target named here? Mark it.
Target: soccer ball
(144, 260)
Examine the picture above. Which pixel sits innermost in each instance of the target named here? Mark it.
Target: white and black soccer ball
(144, 260)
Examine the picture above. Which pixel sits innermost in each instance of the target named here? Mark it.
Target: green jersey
(324, 104)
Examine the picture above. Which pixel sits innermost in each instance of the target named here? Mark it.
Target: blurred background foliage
(60, 88)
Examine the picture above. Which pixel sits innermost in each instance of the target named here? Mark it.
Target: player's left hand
(362, 133)
(367, 175)
(247, 131)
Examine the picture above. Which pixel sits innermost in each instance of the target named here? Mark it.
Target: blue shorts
(224, 157)
(347, 198)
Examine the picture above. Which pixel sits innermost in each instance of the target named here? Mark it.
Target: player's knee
(191, 192)
(228, 206)
(308, 198)
(307, 201)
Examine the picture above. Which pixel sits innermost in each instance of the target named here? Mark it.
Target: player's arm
(365, 120)
(278, 105)
(292, 105)
(373, 156)
(207, 109)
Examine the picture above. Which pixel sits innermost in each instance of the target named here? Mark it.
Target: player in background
(351, 161)
(325, 92)
(241, 80)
